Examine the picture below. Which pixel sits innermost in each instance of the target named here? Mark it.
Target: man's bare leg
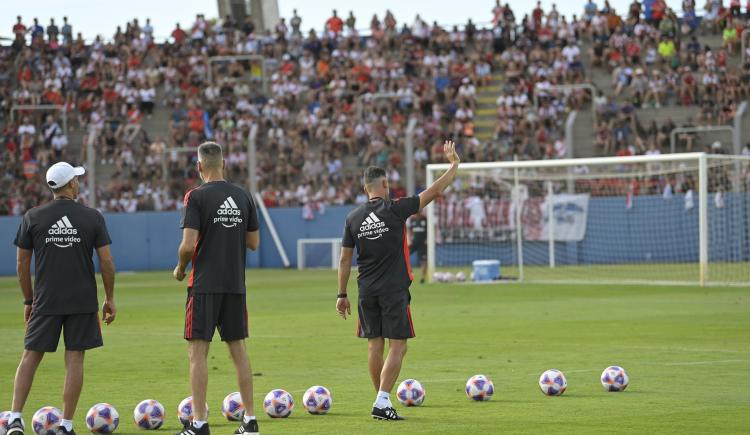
(392, 367)
(198, 353)
(24, 379)
(244, 374)
(73, 382)
(375, 348)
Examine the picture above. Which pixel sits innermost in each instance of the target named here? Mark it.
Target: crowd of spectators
(330, 100)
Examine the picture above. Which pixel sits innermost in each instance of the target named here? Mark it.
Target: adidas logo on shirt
(372, 228)
(62, 233)
(229, 213)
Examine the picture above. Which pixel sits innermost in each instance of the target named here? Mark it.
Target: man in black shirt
(378, 230)
(62, 236)
(417, 232)
(219, 223)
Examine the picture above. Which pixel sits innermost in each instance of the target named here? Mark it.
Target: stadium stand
(314, 97)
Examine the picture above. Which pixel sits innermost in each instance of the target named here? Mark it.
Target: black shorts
(420, 250)
(81, 332)
(205, 312)
(387, 316)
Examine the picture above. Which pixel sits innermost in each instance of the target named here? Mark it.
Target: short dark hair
(372, 173)
(209, 153)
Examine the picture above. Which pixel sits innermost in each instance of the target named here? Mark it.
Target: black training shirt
(222, 213)
(378, 230)
(63, 235)
(418, 227)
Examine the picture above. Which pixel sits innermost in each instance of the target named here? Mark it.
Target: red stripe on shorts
(411, 323)
(189, 318)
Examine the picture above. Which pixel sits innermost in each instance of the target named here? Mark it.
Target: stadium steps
(484, 116)
(583, 131)
(157, 126)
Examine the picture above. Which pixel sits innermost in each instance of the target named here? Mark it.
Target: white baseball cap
(61, 173)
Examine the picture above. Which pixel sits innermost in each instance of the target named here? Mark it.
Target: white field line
(698, 363)
(687, 349)
(678, 363)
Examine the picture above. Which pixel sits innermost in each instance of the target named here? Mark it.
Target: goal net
(679, 218)
(318, 253)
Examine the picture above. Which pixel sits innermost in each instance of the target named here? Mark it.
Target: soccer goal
(668, 219)
(318, 253)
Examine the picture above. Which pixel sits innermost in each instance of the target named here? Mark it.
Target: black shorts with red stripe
(206, 312)
(387, 316)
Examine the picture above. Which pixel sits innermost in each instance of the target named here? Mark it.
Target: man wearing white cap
(62, 236)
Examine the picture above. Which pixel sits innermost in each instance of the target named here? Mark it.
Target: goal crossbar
(527, 198)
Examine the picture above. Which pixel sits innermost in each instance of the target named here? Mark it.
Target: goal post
(668, 219)
(320, 249)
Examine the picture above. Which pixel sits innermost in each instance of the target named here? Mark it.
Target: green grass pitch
(686, 349)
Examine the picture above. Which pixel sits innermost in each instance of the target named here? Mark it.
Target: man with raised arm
(219, 223)
(378, 230)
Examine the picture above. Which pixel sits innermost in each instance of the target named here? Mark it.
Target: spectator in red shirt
(179, 35)
(537, 15)
(195, 119)
(334, 25)
(19, 30)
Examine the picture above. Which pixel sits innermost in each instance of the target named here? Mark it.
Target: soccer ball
(102, 418)
(278, 404)
(614, 378)
(46, 420)
(4, 420)
(185, 411)
(449, 277)
(149, 414)
(552, 382)
(479, 388)
(232, 407)
(460, 276)
(437, 277)
(410, 393)
(317, 400)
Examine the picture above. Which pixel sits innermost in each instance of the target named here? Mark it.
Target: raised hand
(449, 148)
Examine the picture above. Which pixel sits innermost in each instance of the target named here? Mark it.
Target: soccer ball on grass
(410, 393)
(479, 388)
(102, 418)
(149, 414)
(614, 378)
(553, 383)
(278, 404)
(317, 400)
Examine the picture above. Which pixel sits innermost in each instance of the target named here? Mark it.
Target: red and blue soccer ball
(185, 411)
(410, 393)
(232, 407)
(149, 414)
(553, 383)
(614, 378)
(4, 420)
(480, 388)
(46, 420)
(102, 418)
(317, 400)
(278, 404)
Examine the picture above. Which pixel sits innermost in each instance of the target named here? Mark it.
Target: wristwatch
(341, 295)
(28, 302)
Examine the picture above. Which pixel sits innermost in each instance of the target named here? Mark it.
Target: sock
(248, 419)
(15, 416)
(198, 424)
(383, 400)
(67, 424)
